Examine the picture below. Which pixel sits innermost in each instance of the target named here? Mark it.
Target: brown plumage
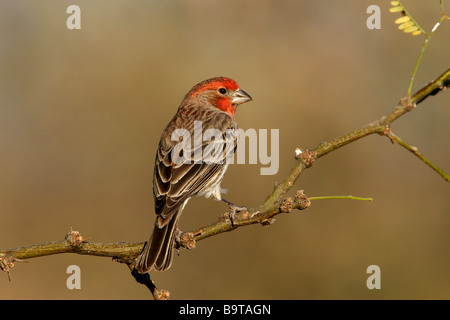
(179, 175)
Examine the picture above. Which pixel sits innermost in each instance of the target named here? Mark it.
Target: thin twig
(415, 151)
(411, 81)
(341, 197)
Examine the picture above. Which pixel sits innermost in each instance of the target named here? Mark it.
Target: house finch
(180, 175)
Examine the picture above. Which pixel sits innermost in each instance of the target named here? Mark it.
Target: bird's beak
(240, 96)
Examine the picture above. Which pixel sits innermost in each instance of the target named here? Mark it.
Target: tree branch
(75, 243)
(274, 204)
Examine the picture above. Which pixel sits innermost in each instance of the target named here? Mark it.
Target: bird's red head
(220, 92)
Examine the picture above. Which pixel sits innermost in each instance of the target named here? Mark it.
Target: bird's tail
(158, 251)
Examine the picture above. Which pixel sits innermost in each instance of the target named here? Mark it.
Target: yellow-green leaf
(411, 29)
(402, 19)
(406, 25)
(396, 9)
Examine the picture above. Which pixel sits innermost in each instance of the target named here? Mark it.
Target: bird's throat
(226, 106)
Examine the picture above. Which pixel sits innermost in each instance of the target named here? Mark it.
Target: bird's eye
(222, 90)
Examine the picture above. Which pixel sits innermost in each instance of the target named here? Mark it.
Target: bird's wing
(179, 176)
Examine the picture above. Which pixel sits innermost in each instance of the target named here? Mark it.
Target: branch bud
(74, 238)
(286, 205)
(301, 200)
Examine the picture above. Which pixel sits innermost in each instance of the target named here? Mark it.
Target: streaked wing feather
(174, 183)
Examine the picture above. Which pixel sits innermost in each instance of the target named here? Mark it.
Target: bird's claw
(178, 233)
(232, 210)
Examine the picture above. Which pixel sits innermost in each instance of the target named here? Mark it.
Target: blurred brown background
(81, 112)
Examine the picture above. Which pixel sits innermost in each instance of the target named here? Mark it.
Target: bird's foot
(178, 234)
(232, 210)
